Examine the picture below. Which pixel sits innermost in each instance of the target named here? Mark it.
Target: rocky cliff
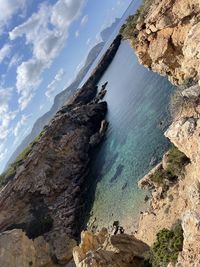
(105, 250)
(166, 38)
(47, 193)
(64, 96)
(44, 192)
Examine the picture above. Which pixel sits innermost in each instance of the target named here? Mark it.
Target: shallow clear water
(137, 103)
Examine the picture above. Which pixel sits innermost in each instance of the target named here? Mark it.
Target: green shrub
(176, 162)
(9, 174)
(167, 246)
(161, 178)
(128, 30)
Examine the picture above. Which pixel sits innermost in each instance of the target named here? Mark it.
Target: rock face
(102, 250)
(184, 133)
(167, 40)
(182, 201)
(48, 191)
(46, 195)
(16, 249)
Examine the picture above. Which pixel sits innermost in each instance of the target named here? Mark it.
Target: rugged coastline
(43, 193)
(165, 36)
(54, 187)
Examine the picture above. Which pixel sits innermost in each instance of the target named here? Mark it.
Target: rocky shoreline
(165, 37)
(44, 194)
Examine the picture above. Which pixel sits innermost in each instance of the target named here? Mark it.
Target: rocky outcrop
(184, 132)
(16, 249)
(182, 201)
(47, 194)
(167, 39)
(102, 249)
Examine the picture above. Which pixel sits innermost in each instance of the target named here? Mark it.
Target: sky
(43, 44)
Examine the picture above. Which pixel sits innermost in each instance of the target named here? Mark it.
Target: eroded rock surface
(16, 249)
(102, 249)
(50, 186)
(167, 40)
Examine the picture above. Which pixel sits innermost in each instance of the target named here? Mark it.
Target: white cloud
(46, 32)
(52, 86)
(5, 52)
(77, 34)
(41, 107)
(14, 61)
(84, 20)
(3, 151)
(6, 116)
(88, 41)
(23, 121)
(8, 9)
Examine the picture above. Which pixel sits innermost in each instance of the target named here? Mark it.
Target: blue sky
(42, 46)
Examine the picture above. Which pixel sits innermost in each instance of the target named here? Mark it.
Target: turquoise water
(137, 103)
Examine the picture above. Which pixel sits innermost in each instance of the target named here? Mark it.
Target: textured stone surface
(52, 178)
(16, 249)
(102, 250)
(168, 39)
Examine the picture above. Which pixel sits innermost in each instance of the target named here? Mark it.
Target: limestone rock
(104, 250)
(190, 256)
(171, 46)
(192, 92)
(16, 249)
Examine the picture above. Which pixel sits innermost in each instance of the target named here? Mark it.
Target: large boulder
(102, 249)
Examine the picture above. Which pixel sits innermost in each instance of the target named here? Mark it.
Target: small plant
(161, 178)
(176, 162)
(167, 246)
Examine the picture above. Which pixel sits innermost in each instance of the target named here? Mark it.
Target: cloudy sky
(42, 44)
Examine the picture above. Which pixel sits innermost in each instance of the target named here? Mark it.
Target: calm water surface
(137, 102)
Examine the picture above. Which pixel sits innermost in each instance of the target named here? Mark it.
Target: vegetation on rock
(6, 176)
(129, 30)
(176, 162)
(167, 246)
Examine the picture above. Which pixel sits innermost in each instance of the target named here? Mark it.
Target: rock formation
(104, 250)
(45, 193)
(167, 39)
(48, 190)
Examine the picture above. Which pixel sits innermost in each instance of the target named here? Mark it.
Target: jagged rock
(168, 39)
(192, 92)
(16, 249)
(46, 195)
(98, 137)
(190, 256)
(104, 250)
